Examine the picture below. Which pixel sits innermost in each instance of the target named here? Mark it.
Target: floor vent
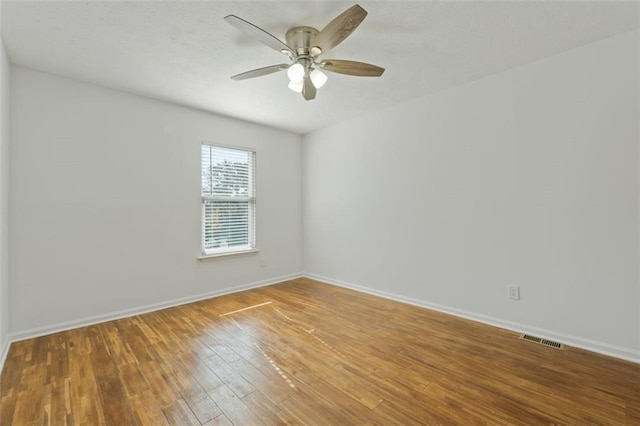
(542, 341)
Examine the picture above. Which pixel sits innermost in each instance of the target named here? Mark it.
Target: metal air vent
(541, 341)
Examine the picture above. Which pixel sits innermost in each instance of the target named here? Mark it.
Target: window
(228, 199)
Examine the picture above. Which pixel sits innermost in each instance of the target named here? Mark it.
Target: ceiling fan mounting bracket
(299, 39)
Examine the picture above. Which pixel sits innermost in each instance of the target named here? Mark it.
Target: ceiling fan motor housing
(299, 39)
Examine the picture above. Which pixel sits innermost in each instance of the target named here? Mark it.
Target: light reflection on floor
(304, 327)
(271, 362)
(246, 309)
(309, 331)
(275, 366)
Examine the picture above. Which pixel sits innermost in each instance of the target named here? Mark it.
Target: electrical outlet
(514, 292)
(263, 262)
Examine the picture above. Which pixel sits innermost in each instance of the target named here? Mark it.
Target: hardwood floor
(303, 352)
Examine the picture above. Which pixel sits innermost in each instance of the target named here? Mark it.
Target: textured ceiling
(184, 52)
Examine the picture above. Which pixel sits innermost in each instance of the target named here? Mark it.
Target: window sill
(205, 257)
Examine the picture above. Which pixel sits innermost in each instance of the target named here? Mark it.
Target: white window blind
(228, 199)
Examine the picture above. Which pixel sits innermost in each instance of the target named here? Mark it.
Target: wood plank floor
(307, 353)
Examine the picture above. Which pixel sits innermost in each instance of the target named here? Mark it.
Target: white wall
(4, 197)
(105, 203)
(528, 177)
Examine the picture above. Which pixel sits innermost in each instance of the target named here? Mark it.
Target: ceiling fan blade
(257, 32)
(259, 72)
(359, 69)
(308, 89)
(339, 29)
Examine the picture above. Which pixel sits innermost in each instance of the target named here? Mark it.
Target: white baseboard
(83, 322)
(578, 342)
(4, 351)
(624, 353)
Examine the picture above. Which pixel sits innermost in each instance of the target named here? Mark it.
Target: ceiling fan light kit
(303, 46)
(296, 72)
(318, 78)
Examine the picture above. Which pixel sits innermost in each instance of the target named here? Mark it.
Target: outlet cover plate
(514, 292)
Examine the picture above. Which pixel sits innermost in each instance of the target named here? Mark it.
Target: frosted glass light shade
(318, 78)
(295, 72)
(296, 86)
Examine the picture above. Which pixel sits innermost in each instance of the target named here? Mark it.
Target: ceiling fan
(304, 46)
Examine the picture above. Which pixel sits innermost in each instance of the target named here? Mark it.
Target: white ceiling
(184, 52)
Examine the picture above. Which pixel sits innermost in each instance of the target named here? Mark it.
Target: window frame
(250, 200)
